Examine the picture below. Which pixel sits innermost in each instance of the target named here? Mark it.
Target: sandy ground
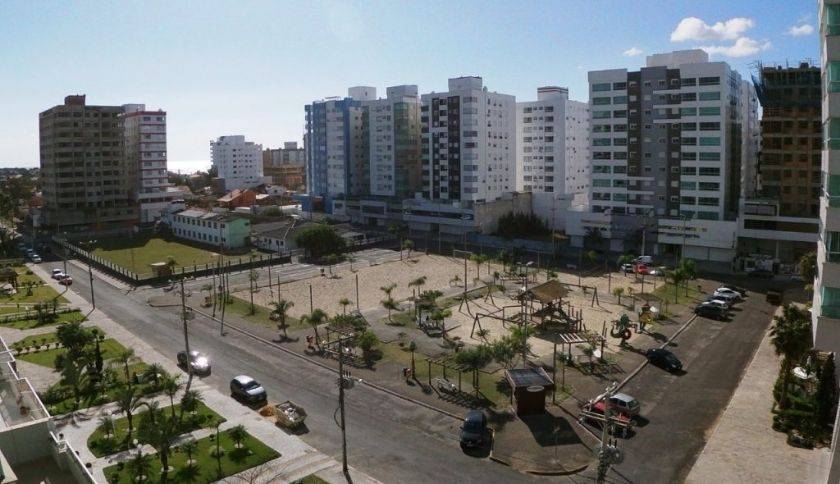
(439, 270)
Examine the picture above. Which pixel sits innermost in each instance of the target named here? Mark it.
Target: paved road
(388, 438)
(682, 409)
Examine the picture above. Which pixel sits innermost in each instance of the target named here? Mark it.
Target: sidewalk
(743, 447)
(297, 459)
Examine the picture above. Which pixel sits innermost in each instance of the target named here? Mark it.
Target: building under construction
(779, 220)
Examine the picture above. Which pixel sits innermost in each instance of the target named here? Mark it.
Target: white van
(644, 259)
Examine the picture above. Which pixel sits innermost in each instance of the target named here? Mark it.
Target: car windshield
(251, 384)
(472, 425)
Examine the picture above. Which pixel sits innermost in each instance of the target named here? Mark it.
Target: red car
(642, 269)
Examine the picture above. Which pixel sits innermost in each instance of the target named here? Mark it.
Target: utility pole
(186, 335)
(341, 379)
(607, 454)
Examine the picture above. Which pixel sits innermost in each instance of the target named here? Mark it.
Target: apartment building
(337, 148)
(395, 143)
(86, 178)
(552, 152)
(145, 155)
(238, 162)
(779, 219)
(286, 166)
(825, 309)
(666, 152)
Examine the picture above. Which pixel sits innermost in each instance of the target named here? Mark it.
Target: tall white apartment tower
(145, 153)
(666, 152)
(395, 142)
(237, 161)
(469, 143)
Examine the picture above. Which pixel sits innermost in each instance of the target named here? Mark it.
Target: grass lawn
(39, 294)
(100, 446)
(61, 318)
(242, 308)
(312, 479)
(667, 292)
(488, 383)
(206, 468)
(136, 255)
(110, 349)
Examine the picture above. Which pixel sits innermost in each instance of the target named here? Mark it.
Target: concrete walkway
(297, 459)
(744, 447)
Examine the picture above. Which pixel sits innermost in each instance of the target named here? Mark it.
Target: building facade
(237, 162)
(666, 157)
(395, 143)
(779, 218)
(145, 155)
(217, 229)
(286, 166)
(85, 176)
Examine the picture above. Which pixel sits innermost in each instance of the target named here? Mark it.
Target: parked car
(474, 429)
(35, 258)
(732, 287)
(774, 296)
(644, 259)
(626, 403)
(598, 408)
(726, 296)
(247, 389)
(58, 274)
(664, 359)
(717, 301)
(199, 362)
(761, 274)
(711, 311)
(627, 268)
(66, 281)
(641, 268)
(728, 292)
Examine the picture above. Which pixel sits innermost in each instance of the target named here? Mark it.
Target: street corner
(548, 443)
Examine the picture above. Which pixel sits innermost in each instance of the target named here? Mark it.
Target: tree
(139, 467)
(412, 347)
(74, 338)
(791, 338)
(171, 386)
(617, 292)
(825, 399)
(253, 276)
(478, 259)
(676, 276)
(189, 447)
(475, 359)
(315, 319)
(593, 238)
(281, 309)
(319, 240)
(390, 305)
(808, 266)
(519, 339)
(330, 261)
(344, 302)
(415, 286)
(125, 358)
(158, 431)
(439, 317)
(504, 256)
(366, 341)
(504, 351)
(237, 434)
(189, 402)
(74, 375)
(408, 245)
(106, 423)
(689, 269)
(590, 257)
(128, 401)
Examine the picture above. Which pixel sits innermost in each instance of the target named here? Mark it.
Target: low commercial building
(221, 229)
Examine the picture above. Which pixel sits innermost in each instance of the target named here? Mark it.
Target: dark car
(199, 362)
(761, 274)
(247, 389)
(664, 359)
(473, 430)
(774, 296)
(710, 311)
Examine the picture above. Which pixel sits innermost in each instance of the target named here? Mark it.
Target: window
(601, 142)
(707, 215)
(688, 155)
(689, 96)
(688, 81)
(601, 128)
(687, 200)
(601, 114)
(710, 111)
(619, 197)
(689, 170)
(617, 86)
(600, 87)
(714, 126)
(689, 141)
(713, 156)
(710, 141)
(621, 113)
(709, 81)
(600, 183)
(830, 296)
(620, 100)
(707, 201)
(688, 111)
(832, 246)
(710, 96)
(600, 101)
(709, 171)
(600, 169)
(831, 133)
(708, 186)
(688, 185)
(619, 169)
(832, 19)
(688, 126)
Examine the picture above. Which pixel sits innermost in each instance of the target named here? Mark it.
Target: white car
(723, 291)
(58, 274)
(716, 302)
(35, 258)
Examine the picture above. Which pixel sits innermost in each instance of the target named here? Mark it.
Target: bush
(521, 225)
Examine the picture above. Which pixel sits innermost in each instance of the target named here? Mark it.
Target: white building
(552, 152)
(666, 152)
(394, 146)
(145, 151)
(237, 161)
(212, 228)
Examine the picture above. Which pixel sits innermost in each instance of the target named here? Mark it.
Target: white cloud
(742, 47)
(800, 30)
(632, 52)
(693, 28)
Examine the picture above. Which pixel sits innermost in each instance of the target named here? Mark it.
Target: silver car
(626, 404)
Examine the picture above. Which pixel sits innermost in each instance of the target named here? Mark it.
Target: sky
(249, 67)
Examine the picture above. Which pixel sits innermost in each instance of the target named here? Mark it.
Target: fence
(131, 277)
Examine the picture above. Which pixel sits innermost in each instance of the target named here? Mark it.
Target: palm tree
(412, 347)
(189, 447)
(689, 268)
(237, 434)
(139, 466)
(415, 286)
(676, 276)
(617, 292)
(74, 374)
(125, 358)
(344, 302)
(315, 319)
(408, 244)
(189, 402)
(390, 305)
(252, 283)
(106, 423)
(158, 431)
(791, 337)
(281, 309)
(156, 371)
(128, 401)
(171, 386)
(330, 260)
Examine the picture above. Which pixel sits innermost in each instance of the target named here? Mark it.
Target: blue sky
(248, 67)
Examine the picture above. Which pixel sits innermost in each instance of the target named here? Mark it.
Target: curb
(329, 368)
